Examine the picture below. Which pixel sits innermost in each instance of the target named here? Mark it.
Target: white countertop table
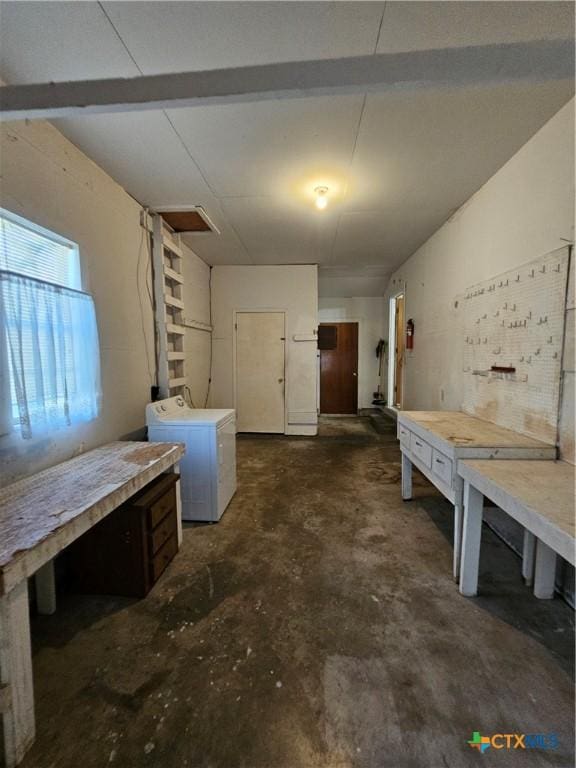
(537, 494)
(437, 441)
(40, 516)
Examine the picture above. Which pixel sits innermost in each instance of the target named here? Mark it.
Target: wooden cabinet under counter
(128, 551)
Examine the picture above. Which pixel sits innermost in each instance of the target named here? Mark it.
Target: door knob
(354, 374)
(280, 381)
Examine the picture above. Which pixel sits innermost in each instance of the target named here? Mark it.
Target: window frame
(38, 229)
(76, 272)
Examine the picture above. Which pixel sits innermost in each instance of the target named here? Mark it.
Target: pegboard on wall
(516, 320)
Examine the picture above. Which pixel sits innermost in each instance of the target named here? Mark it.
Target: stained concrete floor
(316, 626)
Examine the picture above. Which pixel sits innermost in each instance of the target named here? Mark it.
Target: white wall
(293, 289)
(47, 180)
(521, 213)
(371, 314)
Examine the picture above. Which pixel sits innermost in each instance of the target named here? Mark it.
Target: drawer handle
(418, 444)
(439, 461)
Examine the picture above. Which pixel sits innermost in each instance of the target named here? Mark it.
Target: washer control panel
(163, 408)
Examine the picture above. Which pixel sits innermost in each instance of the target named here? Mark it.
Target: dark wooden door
(338, 344)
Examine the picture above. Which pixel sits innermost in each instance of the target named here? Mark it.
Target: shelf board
(172, 247)
(179, 330)
(171, 274)
(172, 301)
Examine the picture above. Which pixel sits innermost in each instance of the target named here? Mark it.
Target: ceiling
(397, 164)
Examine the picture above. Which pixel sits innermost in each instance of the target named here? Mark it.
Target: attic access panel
(185, 221)
(188, 219)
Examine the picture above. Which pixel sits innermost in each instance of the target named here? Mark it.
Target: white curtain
(51, 351)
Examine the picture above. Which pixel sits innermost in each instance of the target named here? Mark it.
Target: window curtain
(51, 351)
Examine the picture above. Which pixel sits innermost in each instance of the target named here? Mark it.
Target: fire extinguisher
(410, 334)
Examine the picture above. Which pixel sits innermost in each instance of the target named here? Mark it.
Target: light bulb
(321, 198)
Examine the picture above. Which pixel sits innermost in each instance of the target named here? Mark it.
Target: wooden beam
(535, 61)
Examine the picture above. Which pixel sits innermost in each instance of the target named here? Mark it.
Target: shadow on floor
(83, 612)
(502, 592)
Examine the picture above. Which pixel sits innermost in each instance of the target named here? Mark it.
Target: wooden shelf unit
(168, 295)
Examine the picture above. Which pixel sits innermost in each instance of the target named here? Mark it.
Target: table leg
(179, 534)
(545, 571)
(406, 478)
(16, 674)
(457, 541)
(528, 551)
(45, 589)
(471, 539)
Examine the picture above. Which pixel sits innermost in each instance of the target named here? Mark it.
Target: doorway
(397, 344)
(260, 372)
(338, 345)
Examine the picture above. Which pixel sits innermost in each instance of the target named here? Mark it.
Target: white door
(260, 371)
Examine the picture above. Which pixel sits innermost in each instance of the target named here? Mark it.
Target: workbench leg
(528, 552)
(45, 583)
(179, 535)
(457, 541)
(16, 674)
(471, 539)
(545, 571)
(406, 478)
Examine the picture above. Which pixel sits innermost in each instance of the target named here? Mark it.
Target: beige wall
(520, 214)
(371, 314)
(293, 289)
(47, 180)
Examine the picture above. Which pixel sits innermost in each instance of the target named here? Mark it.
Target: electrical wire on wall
(151, 296)
(152, 373)
(211, 338)
(187, 390)
(188, 396)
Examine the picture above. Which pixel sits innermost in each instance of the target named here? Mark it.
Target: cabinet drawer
(162, 532)
(162, 507)
(421, 449)
(163, 558)
(404, 435)
(442, 467)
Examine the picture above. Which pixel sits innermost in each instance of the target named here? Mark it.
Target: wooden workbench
(436, 441)
(537, 494)
(39, 517)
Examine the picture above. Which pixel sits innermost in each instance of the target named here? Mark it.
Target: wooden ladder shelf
(168, 284)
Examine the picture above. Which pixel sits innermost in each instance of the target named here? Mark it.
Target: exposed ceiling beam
(448, 67)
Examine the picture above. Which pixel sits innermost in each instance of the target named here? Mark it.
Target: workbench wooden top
(43, 513)
(462, 430)
(529, 489)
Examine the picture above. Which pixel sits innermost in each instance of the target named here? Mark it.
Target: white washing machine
(208, 467)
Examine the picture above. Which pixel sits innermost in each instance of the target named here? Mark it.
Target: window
(49, 360)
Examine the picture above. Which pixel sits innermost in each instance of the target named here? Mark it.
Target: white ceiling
(397, 163)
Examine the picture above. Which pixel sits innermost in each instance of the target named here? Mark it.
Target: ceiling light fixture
(321, 197)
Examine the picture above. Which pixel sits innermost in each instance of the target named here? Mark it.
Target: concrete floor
(317, 625)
